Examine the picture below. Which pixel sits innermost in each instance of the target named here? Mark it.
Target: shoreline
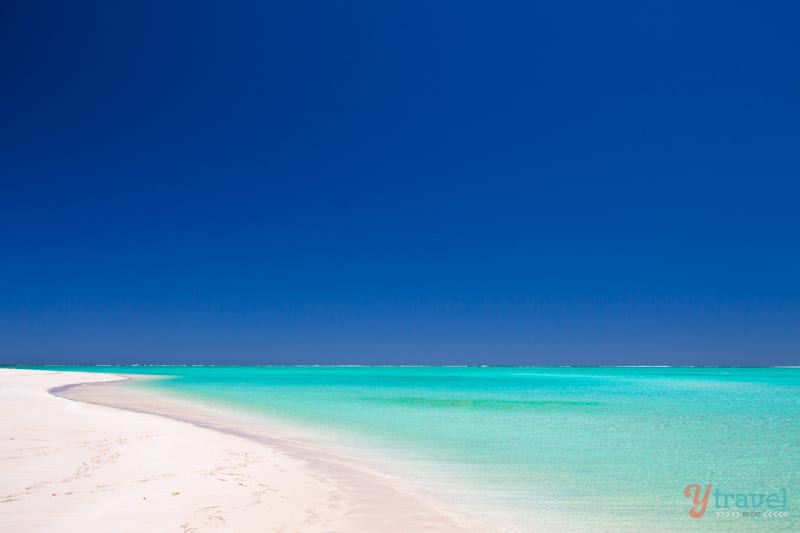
(281, 483)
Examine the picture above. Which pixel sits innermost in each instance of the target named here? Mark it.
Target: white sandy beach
(71, 466)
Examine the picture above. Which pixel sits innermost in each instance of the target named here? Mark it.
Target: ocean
(535, 448)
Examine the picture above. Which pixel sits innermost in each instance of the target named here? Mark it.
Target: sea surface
(567, 449)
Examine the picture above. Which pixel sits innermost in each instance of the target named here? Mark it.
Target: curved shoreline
(335, 494)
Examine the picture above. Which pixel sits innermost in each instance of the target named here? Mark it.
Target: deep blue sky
(400, 182)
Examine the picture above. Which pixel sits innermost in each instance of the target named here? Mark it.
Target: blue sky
(400, 182)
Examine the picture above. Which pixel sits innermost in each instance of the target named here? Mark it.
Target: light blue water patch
(601, 448)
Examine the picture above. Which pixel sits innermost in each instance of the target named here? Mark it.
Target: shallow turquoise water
(579, 448)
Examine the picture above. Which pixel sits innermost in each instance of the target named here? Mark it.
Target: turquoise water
(572, 448)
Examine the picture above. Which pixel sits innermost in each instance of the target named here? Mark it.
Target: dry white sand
(71, 466)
